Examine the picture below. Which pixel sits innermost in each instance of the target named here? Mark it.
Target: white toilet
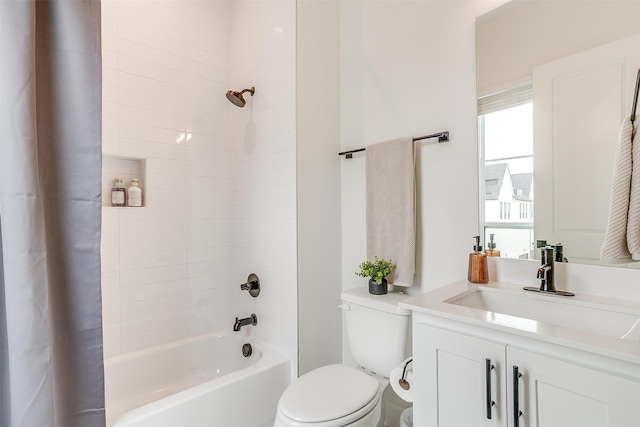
(378, 332)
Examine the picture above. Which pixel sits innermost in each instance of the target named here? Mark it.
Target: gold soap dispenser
(491, 247)
(478, 270)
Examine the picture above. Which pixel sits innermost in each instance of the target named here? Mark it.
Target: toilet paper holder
(402, 381)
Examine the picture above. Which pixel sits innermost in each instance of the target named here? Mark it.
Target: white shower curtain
(51, 363)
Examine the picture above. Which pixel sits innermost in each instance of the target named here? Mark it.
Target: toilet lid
(328, 393)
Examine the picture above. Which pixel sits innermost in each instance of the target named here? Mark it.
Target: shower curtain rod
(635, 98)
(442, 137)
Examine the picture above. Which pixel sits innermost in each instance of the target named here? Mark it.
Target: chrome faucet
(251, 320)
(546, 274)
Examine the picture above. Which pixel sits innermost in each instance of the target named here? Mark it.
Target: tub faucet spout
(251, 320)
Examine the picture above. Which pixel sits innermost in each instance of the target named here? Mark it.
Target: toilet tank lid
(388, 303)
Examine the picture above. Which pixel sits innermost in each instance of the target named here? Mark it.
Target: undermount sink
(528, 312)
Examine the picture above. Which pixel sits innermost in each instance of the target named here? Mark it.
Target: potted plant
(377, 272)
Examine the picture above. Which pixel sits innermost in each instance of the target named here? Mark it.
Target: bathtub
(196, 382)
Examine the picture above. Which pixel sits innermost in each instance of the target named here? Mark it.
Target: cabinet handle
(516, 396)
(487, 374)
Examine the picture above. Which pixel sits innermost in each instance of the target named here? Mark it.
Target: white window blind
(506, 99)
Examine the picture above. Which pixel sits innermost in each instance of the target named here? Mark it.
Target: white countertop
(434, 303)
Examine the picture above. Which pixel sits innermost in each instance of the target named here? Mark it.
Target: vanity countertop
(605, 326)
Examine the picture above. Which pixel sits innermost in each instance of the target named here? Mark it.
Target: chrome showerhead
(236, 97)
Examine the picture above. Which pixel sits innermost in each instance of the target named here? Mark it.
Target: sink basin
(529, 311)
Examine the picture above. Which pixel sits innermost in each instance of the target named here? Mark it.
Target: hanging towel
(391, 207)
(615, 246)
(633, 221)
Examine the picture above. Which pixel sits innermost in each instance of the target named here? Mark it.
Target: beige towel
(633, 221)
(391, 207)
(615, 246)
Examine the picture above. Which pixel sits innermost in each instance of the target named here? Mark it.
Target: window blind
(505, 99)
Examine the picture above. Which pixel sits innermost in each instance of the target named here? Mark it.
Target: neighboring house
(523, 195)
(508, 198)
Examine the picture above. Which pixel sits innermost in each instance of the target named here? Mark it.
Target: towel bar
(442, 137)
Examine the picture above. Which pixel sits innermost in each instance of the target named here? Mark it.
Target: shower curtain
(51, 363)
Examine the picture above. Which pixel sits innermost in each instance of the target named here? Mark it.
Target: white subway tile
(109, 262)
(162, 196)
(166, 167)
(151, 118)
(142, 149)
(153, 306)
(153, 275)
(110, 347)
(210, 240)
(110, 314)
(149, 291)
(150, 102)
(155, 322)
(109, 44)
(163, 42)
(152, 259)
(110, 279)
(132, 49)
(136, 131)
(154, 213)
(174, 332)
(146, 244)
(109, 127)
(111, 297)
(151, 228)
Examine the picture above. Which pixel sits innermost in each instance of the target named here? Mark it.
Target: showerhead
(236, 97)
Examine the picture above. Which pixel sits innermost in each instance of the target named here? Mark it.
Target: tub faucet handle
(252, 285)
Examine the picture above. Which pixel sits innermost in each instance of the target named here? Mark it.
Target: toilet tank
(378, 331)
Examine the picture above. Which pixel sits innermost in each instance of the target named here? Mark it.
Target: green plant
(377, 270)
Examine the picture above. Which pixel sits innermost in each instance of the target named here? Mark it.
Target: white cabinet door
(454, 386)
(554, 393)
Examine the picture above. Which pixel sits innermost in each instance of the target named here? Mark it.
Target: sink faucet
(546, 274)
(251, 320)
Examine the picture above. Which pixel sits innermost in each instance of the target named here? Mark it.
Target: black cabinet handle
(487, 375)
(516, 396)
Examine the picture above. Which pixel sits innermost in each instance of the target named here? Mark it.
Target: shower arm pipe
(442, 137)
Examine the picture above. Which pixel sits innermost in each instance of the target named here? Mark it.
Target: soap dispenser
(491, 247)
(478, 271)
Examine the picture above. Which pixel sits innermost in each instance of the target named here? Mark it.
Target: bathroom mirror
(576, 62)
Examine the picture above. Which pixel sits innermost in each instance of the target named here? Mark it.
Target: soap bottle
(118, 193)
(491, 249)
(478, 270)
(135, 194)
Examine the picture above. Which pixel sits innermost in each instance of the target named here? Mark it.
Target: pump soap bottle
(478, 271)
(491, 250)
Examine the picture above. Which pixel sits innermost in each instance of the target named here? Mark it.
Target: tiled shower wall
(263, 137)
(218, 181)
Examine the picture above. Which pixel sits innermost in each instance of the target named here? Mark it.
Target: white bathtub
(196, 382)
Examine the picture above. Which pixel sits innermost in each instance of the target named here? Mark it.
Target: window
(505, 125)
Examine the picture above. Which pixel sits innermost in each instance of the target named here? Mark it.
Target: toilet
(378, 333)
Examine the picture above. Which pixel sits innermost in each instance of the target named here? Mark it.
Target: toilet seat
(333, 395)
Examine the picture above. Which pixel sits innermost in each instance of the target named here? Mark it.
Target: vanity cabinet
(465, 377)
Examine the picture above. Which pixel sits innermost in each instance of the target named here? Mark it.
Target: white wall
(524, 34)
(218, 205)
(408, 69)
(318, 115)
